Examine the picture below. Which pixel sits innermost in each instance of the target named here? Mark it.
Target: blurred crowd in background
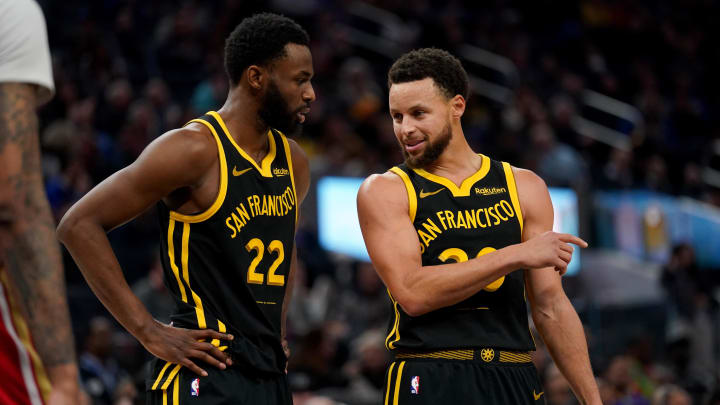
(126, 71)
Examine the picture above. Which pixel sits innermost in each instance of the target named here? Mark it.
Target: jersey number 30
(459, 255)
(253, 277)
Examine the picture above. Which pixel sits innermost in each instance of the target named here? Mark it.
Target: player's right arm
(393, 245)
(183, 158)
(29, 252)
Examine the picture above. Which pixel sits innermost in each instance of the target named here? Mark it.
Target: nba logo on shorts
(415, 385)
(195, 387)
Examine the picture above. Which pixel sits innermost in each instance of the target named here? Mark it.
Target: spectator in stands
(671, 395)
(618, 375)
(99, 371)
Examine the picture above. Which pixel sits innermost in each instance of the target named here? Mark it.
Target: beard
(275, 112)
(432, 150)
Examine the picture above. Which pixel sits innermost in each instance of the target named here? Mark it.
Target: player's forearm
(27, 244)
(435, 287)
(34, 266)
(563, 334)
(90, 248)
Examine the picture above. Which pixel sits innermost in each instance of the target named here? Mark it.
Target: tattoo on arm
(29, 251)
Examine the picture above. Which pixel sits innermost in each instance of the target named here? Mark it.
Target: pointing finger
(566, 237)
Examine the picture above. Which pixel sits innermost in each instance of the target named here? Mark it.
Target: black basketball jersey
(227, 267)
(455, 224)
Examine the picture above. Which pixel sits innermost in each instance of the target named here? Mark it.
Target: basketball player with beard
(227, 188)
(461, 240)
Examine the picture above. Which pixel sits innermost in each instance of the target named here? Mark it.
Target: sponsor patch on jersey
(281, 172)
(415, 385)
(490, 190)
(195, 387)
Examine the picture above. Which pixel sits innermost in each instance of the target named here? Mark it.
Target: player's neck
(240, 115)
(458, 161)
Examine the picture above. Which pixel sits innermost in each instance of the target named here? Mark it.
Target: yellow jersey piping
(398, 380)
(266, 163)
(512, 189)
(171, 256)
(288, 157)
(160, 375)
(199, 312)
(222, 190)
(389, 383)
(395, 330)
(466, 185)
(410, 189)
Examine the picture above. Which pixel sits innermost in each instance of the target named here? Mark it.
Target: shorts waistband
(485, 355)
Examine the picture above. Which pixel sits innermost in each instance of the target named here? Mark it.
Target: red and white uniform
(22, 376)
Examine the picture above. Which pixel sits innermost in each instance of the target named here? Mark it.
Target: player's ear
(256, 76)
(457, 106)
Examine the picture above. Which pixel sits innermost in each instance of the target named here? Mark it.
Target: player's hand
(63, 398)
(65, 383)
(68, 393)
(550, 249)
(182, 346)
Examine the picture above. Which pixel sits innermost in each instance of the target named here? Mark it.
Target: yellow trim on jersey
(186, 275)
(23, 333)
(395, 331)
(412, 196)
(398, 380)
(467, 354)
(164, 397)
(466, 186)
(389, 382)
(288, 156)
(264, 167)
(171, 255)
(176, 391)
(171, 376)
(512, 189)
(515, 357)
(221, 329)
(160, 375)
(222, 191)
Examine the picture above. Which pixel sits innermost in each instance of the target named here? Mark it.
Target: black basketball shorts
(230, 386)
(483, 376)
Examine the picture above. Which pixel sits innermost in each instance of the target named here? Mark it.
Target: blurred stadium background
(613, 103)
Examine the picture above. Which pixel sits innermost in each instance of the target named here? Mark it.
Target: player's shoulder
(528, 179)
(297, 153)
(193, 143)
(531, 189)
(382, 189)
(382, 182)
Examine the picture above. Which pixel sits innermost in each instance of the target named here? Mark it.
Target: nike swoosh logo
(237, 172)
(423, 194)
(537, 396)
